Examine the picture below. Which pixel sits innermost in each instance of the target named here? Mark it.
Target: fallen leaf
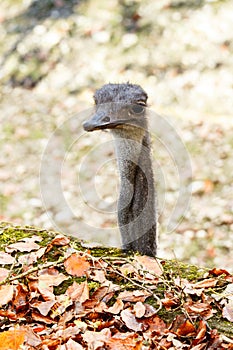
(43, 319)
(79, 292)
(29, 259)
(6, 294)
(130, 321)
(134, 296)
(60, 240)
(116, 307)
(219, 272)
(96, 339)
(77, 265)
(207, 283)
(31, 338)
(154, 324)
(6, 259)
(62, 303)
(149, 264)
(71, 345)
(170, 300)
(201, 332)
(227, 311)
(12, 339)
(98, 275)
(44, 307)
(99, 293)
(139, 309)
(3, 274)
(23, 246)
(51, 280)
(186, 329)
(124, 341)
(203, 309)
(20, 300)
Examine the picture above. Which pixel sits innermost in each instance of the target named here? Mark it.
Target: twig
(135, 284)
(33, 269)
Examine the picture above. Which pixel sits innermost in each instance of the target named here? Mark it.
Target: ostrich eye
(137, 109)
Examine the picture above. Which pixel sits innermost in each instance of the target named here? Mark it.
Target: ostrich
(122, 109)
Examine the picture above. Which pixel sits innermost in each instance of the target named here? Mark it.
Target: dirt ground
(55, 53)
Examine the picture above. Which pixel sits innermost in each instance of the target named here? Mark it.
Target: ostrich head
(118, 106)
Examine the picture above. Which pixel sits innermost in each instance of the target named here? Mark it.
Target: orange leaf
(60, 240)
(77, 265)
(11, 340)
(186, 329)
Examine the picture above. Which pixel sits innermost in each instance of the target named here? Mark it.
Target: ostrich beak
(102, 120)
(98, 121)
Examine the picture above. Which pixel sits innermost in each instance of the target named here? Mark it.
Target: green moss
(10, 234)
(216, 322)
(176, 268)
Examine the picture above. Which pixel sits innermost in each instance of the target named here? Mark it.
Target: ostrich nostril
(106, 119)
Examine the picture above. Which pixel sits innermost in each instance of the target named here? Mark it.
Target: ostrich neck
(136, 205)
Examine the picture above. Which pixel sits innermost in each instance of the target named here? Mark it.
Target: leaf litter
(80, 301)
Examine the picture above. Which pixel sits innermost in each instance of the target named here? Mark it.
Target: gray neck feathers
(137, 200)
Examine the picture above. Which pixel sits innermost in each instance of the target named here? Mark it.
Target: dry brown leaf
(43, 319)
(203, 309)
(201, 332)
(6, 294)
(218, 272)
(130, 321)
(9, 314)
(149, 264)
(29, 259)
(46, 280)
(12, 339)
(227, 311)
(62, 303)
(116, 307)
(99, 293)
(170, 300)
(77, 265)
(96, 339)
(21, 297)
(23, 246)
(44, 306)
(60, 240)
(98, 275)
(207, 283)
(150, 310)
(186, 329)
(127, 269)
(139, 309)
(124, 341)
(134, 296)
(79, 292)
(31, 338)
(154, 324)
(71, 345)
(6, 259)
(46, 292)
(3, 274)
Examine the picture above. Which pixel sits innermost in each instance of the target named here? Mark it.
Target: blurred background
(55, 53)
